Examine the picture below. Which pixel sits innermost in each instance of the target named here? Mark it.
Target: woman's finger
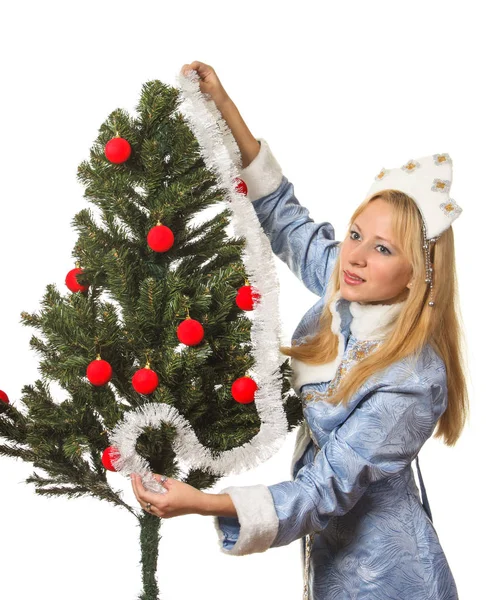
(193, 66)
(143, 504)
(144, 495)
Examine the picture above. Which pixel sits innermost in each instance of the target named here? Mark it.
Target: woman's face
(385, 270)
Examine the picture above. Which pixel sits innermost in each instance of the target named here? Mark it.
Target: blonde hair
(417, 323)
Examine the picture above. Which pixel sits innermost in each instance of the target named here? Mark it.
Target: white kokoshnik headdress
(427, 181)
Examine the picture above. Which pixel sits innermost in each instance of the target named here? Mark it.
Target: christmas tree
(157, 313)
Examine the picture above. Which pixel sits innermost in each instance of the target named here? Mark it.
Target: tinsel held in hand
(153, 341)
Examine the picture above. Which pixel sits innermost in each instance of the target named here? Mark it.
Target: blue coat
(352, 500)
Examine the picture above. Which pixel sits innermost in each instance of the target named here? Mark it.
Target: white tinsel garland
(222, 156)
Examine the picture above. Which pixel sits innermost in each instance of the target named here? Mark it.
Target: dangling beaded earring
(428, 265)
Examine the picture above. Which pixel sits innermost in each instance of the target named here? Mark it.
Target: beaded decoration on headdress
(428, 264)
(427, 180)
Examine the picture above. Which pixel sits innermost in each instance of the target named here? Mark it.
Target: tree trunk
(149, 543)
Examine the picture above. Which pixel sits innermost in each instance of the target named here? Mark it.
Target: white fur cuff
(263, 175)
(257, 517)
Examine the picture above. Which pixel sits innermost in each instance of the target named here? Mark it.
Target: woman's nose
(358, 255)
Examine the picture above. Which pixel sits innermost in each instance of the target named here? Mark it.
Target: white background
(339, 90)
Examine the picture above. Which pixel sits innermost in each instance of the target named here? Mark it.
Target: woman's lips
(351, 280)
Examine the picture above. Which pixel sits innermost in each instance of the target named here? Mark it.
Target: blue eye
(379, 245)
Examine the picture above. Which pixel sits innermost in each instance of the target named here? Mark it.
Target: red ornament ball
(190, 332)
(99, 372)
(72, 282)
(109, 455)
(241, 186)
(4, 397)
(118, 150)
(243, 390)
(145, 381)
(160, 238)
(246, 296)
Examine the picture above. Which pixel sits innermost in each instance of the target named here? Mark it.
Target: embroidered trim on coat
(360, 350)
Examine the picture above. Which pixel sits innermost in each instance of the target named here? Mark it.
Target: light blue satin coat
(375, 539)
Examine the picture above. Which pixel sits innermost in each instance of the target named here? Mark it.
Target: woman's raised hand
(209, 82)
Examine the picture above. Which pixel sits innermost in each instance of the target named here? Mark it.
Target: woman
(378, 365)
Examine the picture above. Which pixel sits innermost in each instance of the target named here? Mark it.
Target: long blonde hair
(416, 324)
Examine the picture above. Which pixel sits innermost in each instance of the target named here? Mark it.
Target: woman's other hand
(180, 499)
(209, 82)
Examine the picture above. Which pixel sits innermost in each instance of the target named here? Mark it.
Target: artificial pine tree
(142, 268)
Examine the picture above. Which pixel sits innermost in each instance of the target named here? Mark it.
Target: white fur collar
(373, 321)
(370, 322)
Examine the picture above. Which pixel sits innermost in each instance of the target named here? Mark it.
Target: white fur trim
(370, 322)
(263, 175)
(373, 321)
(257, 516)
(303, 373)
